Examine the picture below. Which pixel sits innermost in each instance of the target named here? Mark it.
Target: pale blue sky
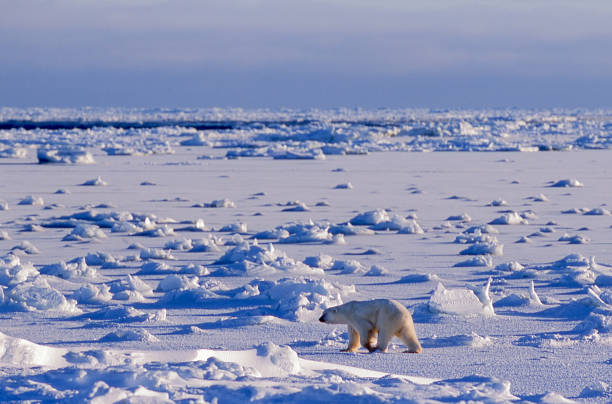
(254, 53)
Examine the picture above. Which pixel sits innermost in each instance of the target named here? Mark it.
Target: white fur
(366, 320)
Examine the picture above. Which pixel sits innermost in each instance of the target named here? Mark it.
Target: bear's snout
(322, 319)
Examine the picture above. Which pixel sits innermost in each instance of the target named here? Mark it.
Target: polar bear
(385, 317)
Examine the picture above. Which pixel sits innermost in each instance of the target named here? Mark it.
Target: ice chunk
(462, 301)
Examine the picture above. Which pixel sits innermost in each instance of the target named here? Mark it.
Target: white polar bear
(385, 317)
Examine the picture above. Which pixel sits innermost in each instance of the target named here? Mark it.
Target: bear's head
(332, 316)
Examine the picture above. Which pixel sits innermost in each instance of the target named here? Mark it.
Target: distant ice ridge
(295, 134)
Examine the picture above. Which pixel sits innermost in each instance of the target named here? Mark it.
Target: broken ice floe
(462, 301)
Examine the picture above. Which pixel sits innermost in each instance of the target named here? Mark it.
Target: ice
(37, 295)
(567, 183)
(509, 218)
(88, 329)
(85, 232)
(478, 261)
(13, 271)
(92, 294)
(369, 218)
(486, 248)
(64, 155)
(96, 182)
(464, 302)
(303, 299)
(255, 259)
(32, 200)
(77, 269)
(129, 335)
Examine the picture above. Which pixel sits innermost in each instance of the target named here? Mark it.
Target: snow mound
(156, 253)
(599, 319)
(93, 294)
(252, 259)
(349, 267)
(377, 270)
(78, 269)
(13, 271)
(84, 232)
(462, 301)
(173, 282)
(530, 299)
(139, 335)
(418, 278)
(131, 283)
(119, 314)
(18, 353)
(488, 248)
(37, 295)
(303, 299)
(481, 229)
(65, 156)
(190, 294)
(277, 361)
(95, 182)
(370, 218)
(567, 183)
(217, 203)
(350, 230)
(576, 239)
(509, 218)
(322, 261)
(574, 270)
(597, 389)
(478, 261)
(305, 233)
(471, 340)
(25, 247)
(31, 201)
(412, 227)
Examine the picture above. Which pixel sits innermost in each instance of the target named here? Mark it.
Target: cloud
(363, 39)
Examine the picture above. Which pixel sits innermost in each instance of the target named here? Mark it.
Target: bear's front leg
(370, 344)
(353, 340)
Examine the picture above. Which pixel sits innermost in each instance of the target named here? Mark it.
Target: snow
(119, 291)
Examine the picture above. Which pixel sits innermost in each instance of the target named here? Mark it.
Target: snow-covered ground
(178, 255)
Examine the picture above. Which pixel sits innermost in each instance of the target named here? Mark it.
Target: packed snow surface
(186, 255)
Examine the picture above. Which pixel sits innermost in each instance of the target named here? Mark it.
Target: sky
(306, 54)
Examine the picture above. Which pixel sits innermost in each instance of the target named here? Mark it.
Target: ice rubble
(298, 134)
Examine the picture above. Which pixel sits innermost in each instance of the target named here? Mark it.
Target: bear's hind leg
(408, 337)
(353, 340)
(384, 337)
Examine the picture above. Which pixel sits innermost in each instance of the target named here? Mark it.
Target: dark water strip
(83, 125)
